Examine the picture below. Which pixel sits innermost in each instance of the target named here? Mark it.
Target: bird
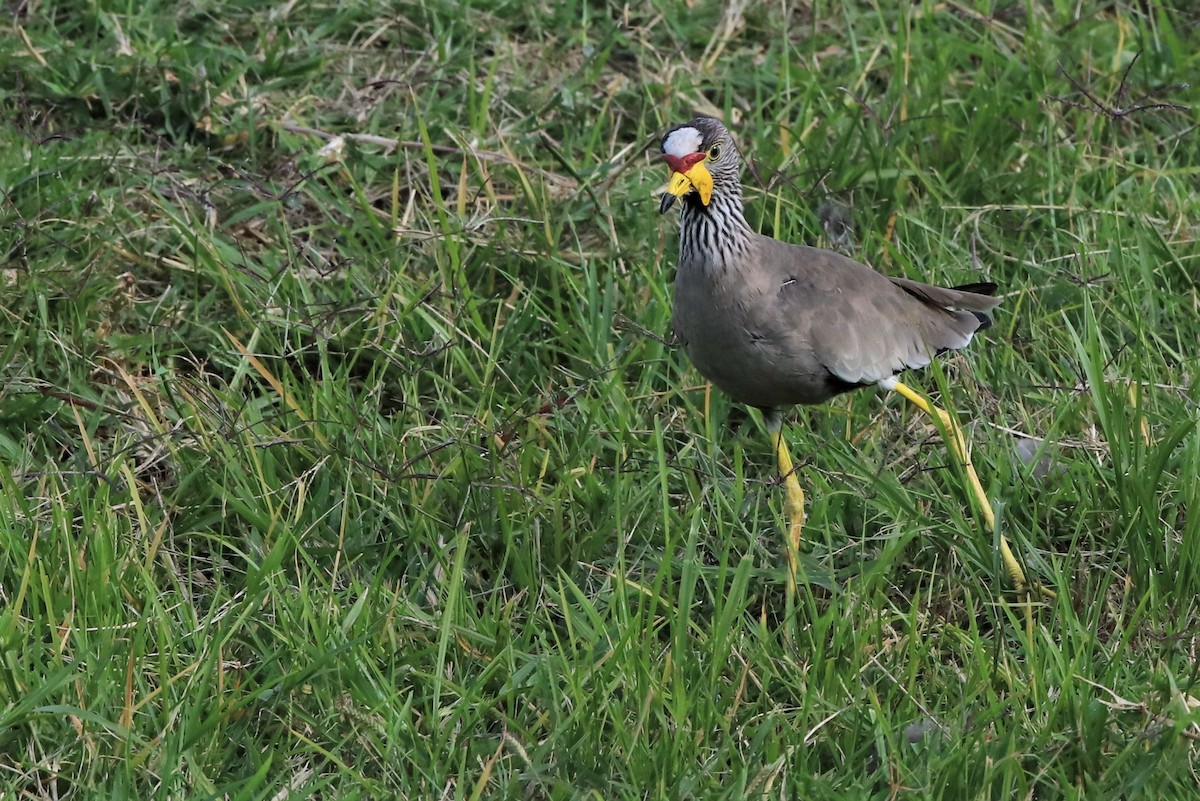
(774, 324)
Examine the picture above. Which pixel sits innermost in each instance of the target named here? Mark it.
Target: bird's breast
(736, 335)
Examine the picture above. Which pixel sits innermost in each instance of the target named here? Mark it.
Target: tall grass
(372, 472)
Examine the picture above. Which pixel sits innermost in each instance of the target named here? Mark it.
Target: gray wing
(865, 327)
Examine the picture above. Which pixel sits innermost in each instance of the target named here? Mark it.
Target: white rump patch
(682, 142)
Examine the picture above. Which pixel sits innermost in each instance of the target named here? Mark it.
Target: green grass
(379, 478)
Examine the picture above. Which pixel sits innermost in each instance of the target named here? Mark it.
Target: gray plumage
(774, 324)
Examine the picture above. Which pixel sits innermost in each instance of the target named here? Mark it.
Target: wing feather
(864, 327)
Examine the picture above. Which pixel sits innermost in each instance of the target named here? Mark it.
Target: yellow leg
(794, 503)
(958, 447)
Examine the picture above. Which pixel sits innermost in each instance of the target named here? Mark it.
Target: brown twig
(389, 144)
(1116, 111)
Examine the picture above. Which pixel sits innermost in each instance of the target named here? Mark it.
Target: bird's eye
(714, 152)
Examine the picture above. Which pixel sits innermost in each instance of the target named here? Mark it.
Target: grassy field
(371, 472)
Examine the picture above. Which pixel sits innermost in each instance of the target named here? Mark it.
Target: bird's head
(695, 151)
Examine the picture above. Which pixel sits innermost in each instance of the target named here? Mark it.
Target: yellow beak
(696, 177)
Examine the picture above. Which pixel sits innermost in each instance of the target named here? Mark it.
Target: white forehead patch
(682, 142)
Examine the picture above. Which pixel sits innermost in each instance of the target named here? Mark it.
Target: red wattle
(682, 164)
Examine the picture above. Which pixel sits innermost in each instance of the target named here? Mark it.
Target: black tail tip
(978, 288)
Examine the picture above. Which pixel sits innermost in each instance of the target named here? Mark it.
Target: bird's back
(794, 324)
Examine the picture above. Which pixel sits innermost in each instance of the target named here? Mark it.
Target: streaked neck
(716, 235)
